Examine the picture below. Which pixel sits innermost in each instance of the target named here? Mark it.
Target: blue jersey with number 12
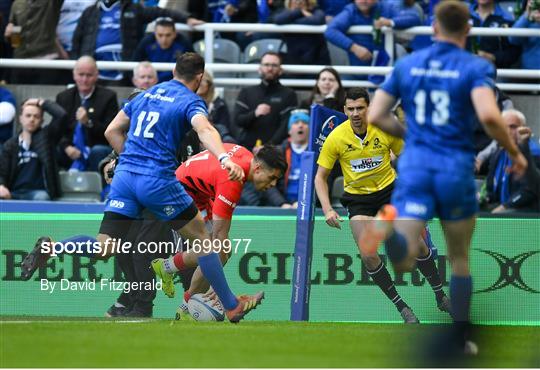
(435, 86)
(160, 117)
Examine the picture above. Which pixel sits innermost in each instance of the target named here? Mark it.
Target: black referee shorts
(366, 204)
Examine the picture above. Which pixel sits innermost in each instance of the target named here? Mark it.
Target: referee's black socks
(381, 277)
(427, 267)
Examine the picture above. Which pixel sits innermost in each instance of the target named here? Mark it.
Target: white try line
(72, 321)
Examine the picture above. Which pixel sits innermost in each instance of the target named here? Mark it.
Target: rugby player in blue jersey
(441, 88)
(145, 178)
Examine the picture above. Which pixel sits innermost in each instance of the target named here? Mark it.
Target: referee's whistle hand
(333, 219)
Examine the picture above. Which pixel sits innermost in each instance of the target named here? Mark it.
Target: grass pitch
(46, 342)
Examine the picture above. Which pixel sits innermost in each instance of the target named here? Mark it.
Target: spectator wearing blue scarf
(90, 108)
(504, 191)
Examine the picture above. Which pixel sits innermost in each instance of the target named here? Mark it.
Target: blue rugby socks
(213, 272)
(460, 297)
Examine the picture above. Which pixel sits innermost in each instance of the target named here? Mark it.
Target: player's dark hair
(274, 54)
(355, 93)
(452, 17)
(188, 66)
(273, 158)
(165, 22)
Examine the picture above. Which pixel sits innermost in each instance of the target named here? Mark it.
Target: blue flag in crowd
(79, 141)
(323, 121)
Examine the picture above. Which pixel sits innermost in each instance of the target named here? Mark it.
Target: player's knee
(406, 265)
(371, 261)
(459, 263)
(458, 255)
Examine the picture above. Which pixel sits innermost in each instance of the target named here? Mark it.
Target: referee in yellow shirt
(364, 154)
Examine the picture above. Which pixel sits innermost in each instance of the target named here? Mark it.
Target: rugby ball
(202, 309)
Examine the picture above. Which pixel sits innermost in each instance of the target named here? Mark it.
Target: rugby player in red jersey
(207, 182)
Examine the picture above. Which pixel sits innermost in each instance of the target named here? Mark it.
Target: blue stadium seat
(255, 50)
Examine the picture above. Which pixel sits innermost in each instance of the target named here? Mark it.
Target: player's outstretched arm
(321, 187)
(380, 114)
(116, 131)
(211, 140)
(490, 116)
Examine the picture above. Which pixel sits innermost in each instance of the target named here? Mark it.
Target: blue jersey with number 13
(435, 86)
(160, 117)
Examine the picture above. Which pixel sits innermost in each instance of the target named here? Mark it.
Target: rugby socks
(396, 247)
(173, 264)
(427, 267)
(382, 278)
(213, 272)
(86, 242)
(178, 260)
(460, 297)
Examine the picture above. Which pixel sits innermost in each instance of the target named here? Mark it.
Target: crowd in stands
(114, 30)
(267, 113)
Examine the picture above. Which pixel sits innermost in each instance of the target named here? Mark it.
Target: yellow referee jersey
(365, 163)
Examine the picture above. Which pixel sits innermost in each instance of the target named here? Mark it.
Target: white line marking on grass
(71, 321)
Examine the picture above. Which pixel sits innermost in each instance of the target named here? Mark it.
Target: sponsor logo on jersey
(116, 203)
(226, 201)
(376, 144)
(440, 73)
(158, 96)
(415, 208)
(366, 164)
(435, 64)
(169, 210)
(349, 148)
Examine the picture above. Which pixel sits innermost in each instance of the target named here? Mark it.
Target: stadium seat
(508, 6)
(225, 51)
(336, 192)
(338, 56)
(255, 50)
(80, 186)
